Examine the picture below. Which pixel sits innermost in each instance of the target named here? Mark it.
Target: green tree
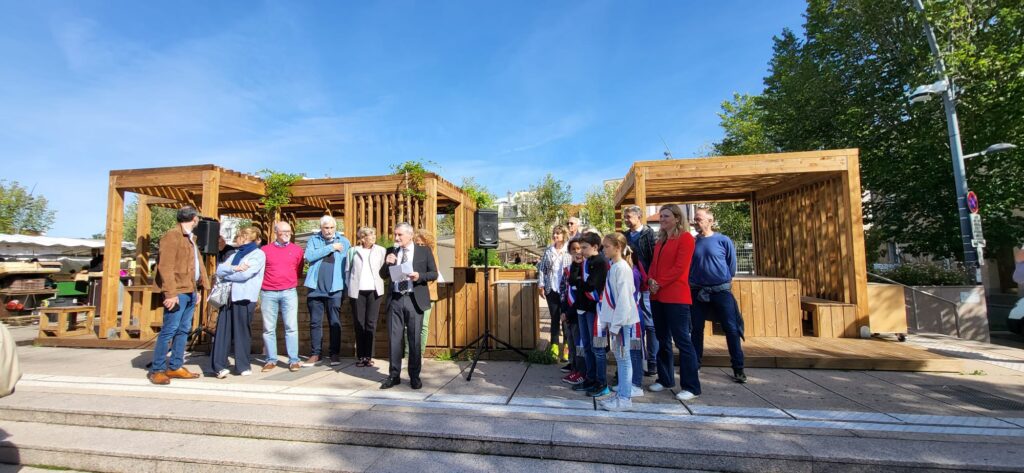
(545, 205)
(599, 207)
(481, 195)
(742, 120)
(162, 219)
(21, 211)
(843, 84)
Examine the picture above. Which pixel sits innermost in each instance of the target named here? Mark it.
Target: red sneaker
(569, 378)
(578, 378)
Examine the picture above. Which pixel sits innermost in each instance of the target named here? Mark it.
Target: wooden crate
(23, 282)
(60, 322)
(831, 319)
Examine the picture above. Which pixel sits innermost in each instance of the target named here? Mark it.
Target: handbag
(220, 295)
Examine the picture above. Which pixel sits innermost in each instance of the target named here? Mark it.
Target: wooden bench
(59, 322)
(831, 319)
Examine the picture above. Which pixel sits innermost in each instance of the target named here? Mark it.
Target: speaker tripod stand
(483, 342)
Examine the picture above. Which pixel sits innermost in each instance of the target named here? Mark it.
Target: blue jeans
(722, 304)
(624, 362)
(331, 305)
(287, 303)
(174, 334)
(594, 358)
(647, 321)
(672, 323)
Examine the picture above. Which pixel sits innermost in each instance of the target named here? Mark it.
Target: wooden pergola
(805, 210)
(376, 201)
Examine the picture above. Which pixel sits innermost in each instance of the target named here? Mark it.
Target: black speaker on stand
(485, 224)
(207, 233)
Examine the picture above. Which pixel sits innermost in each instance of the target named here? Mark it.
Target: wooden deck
(830, 353)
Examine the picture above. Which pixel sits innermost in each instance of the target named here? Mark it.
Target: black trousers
(404, 321)
(554, 300)
(234, 328)
(365, 311)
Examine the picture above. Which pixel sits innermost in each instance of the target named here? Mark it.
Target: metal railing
(913, 297)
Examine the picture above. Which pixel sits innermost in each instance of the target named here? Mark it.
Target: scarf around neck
(242, 251)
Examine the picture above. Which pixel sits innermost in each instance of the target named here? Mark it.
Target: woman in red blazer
(669, 282)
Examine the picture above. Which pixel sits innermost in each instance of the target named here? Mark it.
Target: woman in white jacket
(617, 315)
(365, 287)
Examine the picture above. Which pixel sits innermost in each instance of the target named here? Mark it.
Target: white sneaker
(245, 373)
(656, 388)
(223, 373)
(685, 395)
(617, 404)
(637, 392)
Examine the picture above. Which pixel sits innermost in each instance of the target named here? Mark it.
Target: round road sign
(972, 202)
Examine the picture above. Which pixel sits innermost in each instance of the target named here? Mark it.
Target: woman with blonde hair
(669, 282)
(245, 272)
(365, 288)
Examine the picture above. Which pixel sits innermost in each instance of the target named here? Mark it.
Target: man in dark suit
(409, 299)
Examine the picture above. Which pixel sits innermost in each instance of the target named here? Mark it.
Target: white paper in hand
(397, 274)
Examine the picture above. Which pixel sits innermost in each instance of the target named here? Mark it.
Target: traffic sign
(972, 202)
(976, 232)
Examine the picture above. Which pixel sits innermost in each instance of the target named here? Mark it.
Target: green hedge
(927, 274)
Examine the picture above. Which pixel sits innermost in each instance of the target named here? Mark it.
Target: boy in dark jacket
(590, 284)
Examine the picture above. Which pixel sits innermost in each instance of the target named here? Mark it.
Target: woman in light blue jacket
(326, 253)
(245, 272)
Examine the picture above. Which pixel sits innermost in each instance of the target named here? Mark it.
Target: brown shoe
(312, 360)
(295, 367)
(182, 373)
(159, 377)
(268, 367)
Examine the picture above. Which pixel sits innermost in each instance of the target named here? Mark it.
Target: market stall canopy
(16, 246)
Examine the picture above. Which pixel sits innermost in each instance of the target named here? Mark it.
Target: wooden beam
(626, 185)
(211, 208)
(111, 285)
(754, 230)
(743, 159)
(796, 182)
(248, 184)
(143, 226)
(163, 170)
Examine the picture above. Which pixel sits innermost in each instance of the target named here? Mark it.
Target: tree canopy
(545, 205)
(843, 83)
(23, 211)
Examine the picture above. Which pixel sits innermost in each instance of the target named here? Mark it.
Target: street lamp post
(956, 149)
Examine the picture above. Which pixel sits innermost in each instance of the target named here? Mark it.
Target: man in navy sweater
(711, 272)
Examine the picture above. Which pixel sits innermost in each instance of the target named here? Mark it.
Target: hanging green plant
(414, 172)
(278, 189)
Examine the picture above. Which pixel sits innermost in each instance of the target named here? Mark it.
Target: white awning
(26, 245)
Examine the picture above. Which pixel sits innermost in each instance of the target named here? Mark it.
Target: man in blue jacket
(325, 252)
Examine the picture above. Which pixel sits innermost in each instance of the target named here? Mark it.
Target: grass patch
(541, 357)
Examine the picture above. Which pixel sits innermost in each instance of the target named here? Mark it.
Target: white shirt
(366, 278)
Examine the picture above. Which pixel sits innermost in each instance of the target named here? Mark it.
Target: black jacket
(423, 263)
(644, 247)
(597, 269)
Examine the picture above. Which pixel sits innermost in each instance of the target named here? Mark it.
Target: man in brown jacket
(179, 275)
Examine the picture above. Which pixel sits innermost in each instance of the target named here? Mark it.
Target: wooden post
(211, 209)
(111, 286)
(350, 213)
(640, 190)
(854, 234)
(754, 231)
(143, 228)
(430, 210)
(461, 250)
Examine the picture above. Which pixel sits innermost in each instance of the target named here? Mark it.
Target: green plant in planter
(476, 258)
(414, 172)
(278, 191)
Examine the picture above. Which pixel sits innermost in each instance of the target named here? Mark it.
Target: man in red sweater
(284, 266)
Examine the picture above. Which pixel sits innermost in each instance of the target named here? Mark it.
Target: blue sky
(501, 91)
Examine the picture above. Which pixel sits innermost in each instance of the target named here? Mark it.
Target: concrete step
(119, 450)
(636, 441)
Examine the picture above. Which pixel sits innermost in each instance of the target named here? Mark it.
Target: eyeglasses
(571, 223)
